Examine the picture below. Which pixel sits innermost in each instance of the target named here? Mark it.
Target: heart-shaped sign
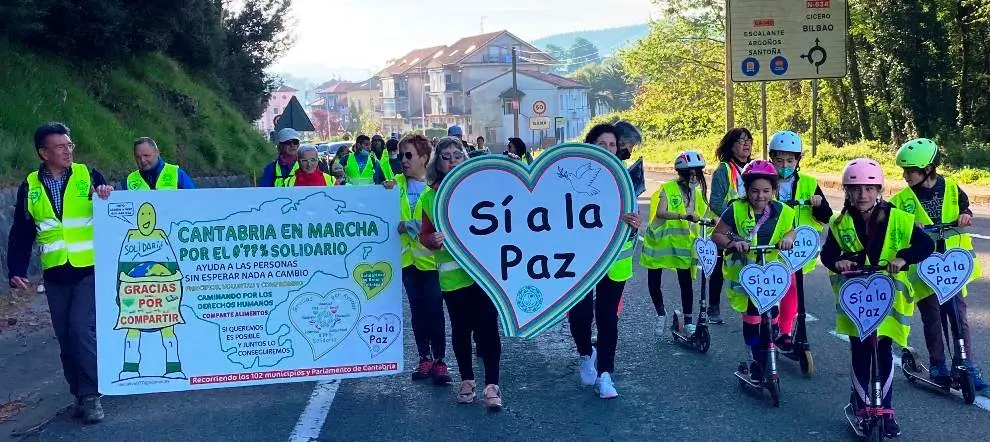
(947, 273)
(807, 244)
(536, 238)
(867, 301)
(372, 278)
(765, 284)
(707, 253)
(325, 320)
(380, 332)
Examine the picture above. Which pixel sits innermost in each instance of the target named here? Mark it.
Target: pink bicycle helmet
(862, 171)
(759, 169)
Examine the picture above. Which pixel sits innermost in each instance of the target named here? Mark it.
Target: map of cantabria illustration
(257, 262)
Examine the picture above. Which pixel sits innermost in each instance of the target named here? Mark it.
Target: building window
(450, 104)
(275, 110)
(506, 106)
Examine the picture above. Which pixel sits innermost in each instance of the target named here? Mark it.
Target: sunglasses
(451, 156)
(408, 155)
(291, 142)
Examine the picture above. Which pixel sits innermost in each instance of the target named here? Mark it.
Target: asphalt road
(666, 392)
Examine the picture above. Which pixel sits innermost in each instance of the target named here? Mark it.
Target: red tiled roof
(469, 45)
(287, 89)
(318, 102)
(554, 79)
(339, 87)
(417, 57)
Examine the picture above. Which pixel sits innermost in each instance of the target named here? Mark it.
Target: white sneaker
(661, 329)
(588, 371)
(605, 387)
(689, 329)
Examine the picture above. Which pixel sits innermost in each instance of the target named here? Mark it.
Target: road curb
(978, 195)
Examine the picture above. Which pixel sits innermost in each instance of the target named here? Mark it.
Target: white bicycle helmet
(785, 141)
(688, 159)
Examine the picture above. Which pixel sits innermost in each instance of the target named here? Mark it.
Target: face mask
(623, 154)
(787, 172)
(361, 153)
(393, 155)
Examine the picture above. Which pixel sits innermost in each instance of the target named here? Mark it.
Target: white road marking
(808, 317)
(981, 400)
(977, 235)
(312, 418)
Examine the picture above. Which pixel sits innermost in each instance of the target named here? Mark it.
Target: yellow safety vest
(386, 166)
(622, 269)
(745, 220)
(907, 201)
(897, 325)
(733, 192)
(413, 252)
(168, 179)
(360, 177)
(806, 187)
(669, 243)
(70, 239)
(291, 181)
(452, 276)
(282, 181)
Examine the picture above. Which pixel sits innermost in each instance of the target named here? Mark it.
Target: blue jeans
(426, 308)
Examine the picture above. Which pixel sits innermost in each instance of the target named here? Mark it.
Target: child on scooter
(757, 219)
(932, 199)
(669, 239)
(870, 231)
(785, 151)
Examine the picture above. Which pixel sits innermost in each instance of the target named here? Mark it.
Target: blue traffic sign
(750, 66)
(778, 65)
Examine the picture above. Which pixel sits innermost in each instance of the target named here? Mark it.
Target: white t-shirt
(414, 188)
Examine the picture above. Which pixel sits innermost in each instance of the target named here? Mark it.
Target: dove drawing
(581, 179)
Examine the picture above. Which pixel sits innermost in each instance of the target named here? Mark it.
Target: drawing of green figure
(149, 293)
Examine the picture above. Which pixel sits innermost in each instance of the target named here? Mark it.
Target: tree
(581, 53)
(607, 82)
(560, 55)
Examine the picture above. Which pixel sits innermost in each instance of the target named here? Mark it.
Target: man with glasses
(153, 172)
(277, 173)
(55, 207)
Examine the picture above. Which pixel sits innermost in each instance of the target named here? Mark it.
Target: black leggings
(715, 284)
(471, 311)
(602, 306)
(656, 294)
(862, 358)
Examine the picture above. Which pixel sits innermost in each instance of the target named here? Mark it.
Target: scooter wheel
(807, 363)
(966, 387)
(702, 340)
(774, 387)
(909, 360)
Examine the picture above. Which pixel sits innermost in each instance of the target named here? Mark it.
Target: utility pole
(515, 97)
(730, 93)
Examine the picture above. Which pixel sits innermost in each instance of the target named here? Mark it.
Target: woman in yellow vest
(309, 173)
(470, 309)
(602, 304)
(812, 210)
(669, 239)
(870, 231)
(516, 149)
(733, 153)
(932, 198)
(757, 219)
(419, 267)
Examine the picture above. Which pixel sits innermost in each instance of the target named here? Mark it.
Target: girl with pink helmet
(755, 219)
(871, 232)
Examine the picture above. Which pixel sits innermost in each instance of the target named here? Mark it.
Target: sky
(366, 33)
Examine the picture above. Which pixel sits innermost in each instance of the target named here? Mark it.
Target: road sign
(515, 104)
(540, 107)
(787, 39)
(539, 123)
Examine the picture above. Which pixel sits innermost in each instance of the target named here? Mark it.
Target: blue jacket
(151, 177)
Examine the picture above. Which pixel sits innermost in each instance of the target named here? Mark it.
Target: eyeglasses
(291, 142)
(66, 147)
(451, 156)
(308, 160)
(744, 141)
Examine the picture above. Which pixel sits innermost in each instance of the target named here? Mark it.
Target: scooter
(700, 340)
(771, 381)
(960, 378)
(869, 423)
(801, 349)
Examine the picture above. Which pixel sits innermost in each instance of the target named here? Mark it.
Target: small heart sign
(372, 278)
(707, 253)
(867, 301)
(807, 245)
(325, 320)
(537, 238)
(380, 332)
(947, 273)
(766, 284)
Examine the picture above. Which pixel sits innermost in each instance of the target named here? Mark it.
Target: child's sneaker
(439, 373)
(423, 370)
(587, 370)
(605, 387)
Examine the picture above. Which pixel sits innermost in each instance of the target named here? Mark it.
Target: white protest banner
(213, 288)
(766, 284)
(536, 238)
(947, 273)
(867, 301)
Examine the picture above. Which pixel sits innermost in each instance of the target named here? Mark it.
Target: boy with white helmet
(932, 199)
(810, 209)
(669, 239)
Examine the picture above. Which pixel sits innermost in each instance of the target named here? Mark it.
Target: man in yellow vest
(153, 172)
(362, 167)
(55, 207)
(278, 172)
